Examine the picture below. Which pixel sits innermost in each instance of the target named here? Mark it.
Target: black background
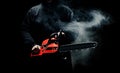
(106, 58)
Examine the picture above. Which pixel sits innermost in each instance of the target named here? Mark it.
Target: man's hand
(60, 33)
(36, 49)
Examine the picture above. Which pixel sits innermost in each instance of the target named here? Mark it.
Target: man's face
(49, 1)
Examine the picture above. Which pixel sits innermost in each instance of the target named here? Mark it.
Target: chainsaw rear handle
(45, 48)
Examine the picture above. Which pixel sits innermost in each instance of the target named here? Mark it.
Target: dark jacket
(42, 21)
(39, 23)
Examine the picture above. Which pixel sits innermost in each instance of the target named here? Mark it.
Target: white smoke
(82, 33)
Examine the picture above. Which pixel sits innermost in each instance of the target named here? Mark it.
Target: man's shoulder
(63, 6)
(35, 9)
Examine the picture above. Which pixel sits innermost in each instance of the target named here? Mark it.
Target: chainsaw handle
(47, 48)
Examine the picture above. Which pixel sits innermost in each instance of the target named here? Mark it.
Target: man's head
(50, 2)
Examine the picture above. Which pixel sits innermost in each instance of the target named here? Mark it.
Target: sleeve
(66, 14)
(28, 41)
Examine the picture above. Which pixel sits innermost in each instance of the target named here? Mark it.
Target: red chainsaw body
(47, 48)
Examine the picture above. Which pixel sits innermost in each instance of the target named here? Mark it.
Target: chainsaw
(51, 45)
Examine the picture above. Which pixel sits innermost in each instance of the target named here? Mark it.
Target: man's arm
(28, 41)
(66, 14)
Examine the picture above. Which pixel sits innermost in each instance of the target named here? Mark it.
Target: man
(41, 21)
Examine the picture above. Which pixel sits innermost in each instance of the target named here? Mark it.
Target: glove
(60, 33)
(36, 49)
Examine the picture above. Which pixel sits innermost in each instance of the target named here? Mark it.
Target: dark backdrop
(105, 59)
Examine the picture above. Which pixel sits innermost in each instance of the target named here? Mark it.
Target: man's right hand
(36, 49)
